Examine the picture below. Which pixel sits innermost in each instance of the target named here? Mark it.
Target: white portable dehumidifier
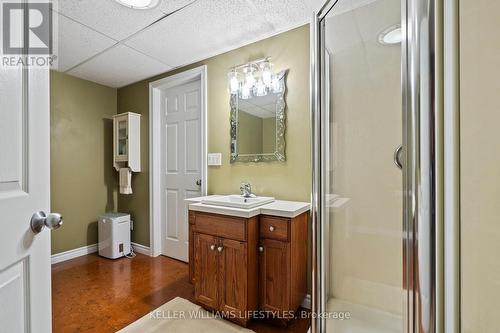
(114, 235)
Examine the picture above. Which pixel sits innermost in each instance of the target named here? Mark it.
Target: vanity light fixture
(255, 78)
(139, 4)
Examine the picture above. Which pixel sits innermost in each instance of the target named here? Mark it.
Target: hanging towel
(125, 181)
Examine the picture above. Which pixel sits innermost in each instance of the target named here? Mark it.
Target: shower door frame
(423, 166)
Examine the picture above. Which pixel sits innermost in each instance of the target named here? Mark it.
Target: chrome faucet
(246, 190)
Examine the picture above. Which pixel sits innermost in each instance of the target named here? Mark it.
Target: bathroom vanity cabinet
(224, 263)
(242, 264)
(282, 263)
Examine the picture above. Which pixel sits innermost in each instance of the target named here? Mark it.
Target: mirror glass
(258, 126)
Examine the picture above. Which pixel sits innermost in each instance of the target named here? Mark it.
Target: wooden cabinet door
(233, 277)
(206, 259)
(274, 275)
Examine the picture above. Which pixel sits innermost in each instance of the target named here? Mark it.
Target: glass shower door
(363, 223)
(377, 167)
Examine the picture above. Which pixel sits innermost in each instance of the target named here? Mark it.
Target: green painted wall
(249, 133)
(290, 180)
(256, 135)
(269, 135)
(83, 181)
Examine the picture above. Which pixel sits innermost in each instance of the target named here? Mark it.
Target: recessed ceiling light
(391, 35)
(139, 4)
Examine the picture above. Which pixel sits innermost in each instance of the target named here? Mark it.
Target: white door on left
(25, 289)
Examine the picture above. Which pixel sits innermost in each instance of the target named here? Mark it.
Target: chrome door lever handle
(40, 220)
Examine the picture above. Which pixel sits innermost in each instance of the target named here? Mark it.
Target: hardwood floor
(95, 294)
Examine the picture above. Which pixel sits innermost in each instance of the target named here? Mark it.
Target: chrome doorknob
(39, 220)
(220, 248)
(212, 247)
(261, 249)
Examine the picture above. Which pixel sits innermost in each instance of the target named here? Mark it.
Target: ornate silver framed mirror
(258, 123)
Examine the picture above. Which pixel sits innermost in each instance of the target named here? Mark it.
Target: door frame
(156, 89)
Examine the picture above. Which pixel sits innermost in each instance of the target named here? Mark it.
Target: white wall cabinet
(127, 141)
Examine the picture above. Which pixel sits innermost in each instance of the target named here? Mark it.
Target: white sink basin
(237, 201)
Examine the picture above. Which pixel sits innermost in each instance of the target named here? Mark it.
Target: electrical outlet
(120, 248)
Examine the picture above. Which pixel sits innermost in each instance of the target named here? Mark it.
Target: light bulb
(267, 73)
(234, 84)
(267, 77)
(245, 92)
(260, 89)
(275, 84)
(250, 79)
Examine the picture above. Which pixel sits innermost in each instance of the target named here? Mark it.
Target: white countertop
(281, 208)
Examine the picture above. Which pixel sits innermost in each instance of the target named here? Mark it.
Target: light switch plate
(214, 159)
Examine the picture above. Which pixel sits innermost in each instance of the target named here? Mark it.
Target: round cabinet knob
(220, 248)
(212, 247)
(261, 249)
(40, 220)
(272, 228)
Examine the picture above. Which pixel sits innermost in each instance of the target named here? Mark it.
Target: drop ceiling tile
(271, 108)
(343, 31)
(118, 67)
(169, 6)
(203, 29)
(244, 104)
(75, 43)
(376, 17)
(346, 6)
(263, 100)
(260, 113)
(109, 17)
(284, 14)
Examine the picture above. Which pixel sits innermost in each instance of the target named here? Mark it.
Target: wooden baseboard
(75, 253)
(138, 248)
(84, 250)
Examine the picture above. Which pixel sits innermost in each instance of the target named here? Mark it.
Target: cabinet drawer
(275, 228)
(221, 226)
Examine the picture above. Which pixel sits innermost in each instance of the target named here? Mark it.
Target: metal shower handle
(397, 157)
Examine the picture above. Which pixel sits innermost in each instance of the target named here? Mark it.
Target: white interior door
(182, 164)
(25, 291)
